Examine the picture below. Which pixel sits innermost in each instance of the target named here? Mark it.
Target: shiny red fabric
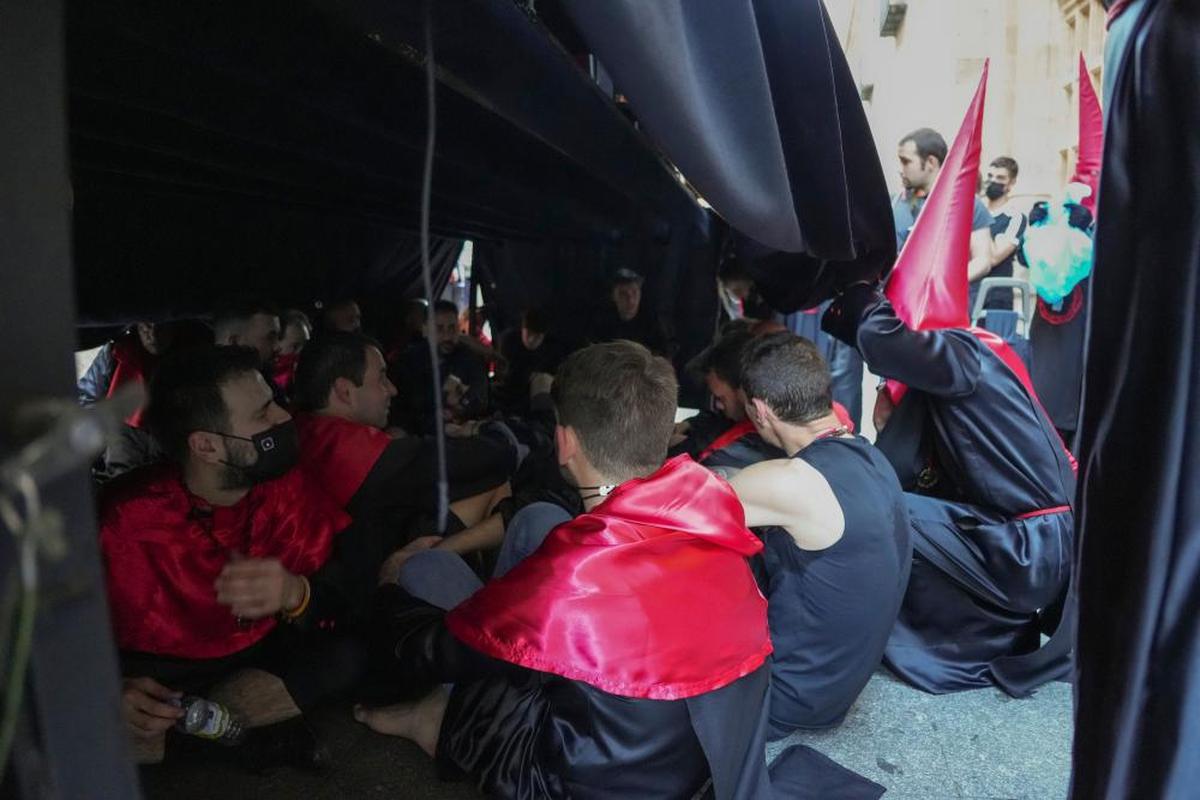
(337, 454)
(649, 595)
(164, 547)
(1091, 137)
(740, 429)
(132, 363)
(283, 370)
(928, 286)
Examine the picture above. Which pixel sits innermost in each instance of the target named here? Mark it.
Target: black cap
(626, 275)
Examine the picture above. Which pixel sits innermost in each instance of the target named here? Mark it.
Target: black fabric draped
(755, 103)
(1138, 676)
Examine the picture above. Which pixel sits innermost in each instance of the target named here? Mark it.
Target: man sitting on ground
(836, 565)
(724, 439)
(988, 485)
(128, 360)
(464, 375)
(623, 316)
(249, 322)
(527, 349)
(641, 705)
(219, 565)
(343, 393)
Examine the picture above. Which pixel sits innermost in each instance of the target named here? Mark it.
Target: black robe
(989, 485)
(1138, 675)
(496, 711)
(1056, 339)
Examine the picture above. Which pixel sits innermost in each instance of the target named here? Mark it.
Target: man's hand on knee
(390, 571)
(148, 707)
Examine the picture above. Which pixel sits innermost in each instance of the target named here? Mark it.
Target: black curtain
(1137, 732)
(755, 103)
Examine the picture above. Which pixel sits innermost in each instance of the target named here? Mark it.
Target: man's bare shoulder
(788, 471)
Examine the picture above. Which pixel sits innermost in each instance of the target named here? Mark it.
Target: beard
(233, 473)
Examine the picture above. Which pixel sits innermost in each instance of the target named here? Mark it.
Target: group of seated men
(542, 638)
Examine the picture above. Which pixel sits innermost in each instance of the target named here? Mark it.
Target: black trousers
(314, 666)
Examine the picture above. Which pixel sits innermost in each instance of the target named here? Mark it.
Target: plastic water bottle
(209, 720)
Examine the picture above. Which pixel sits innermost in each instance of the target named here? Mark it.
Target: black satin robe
(975, 454)
(1138, 674)
(519, 733)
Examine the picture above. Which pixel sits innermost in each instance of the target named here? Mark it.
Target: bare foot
(420, 722)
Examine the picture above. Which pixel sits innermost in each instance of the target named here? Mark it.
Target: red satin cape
(337, 454)
(164, 548)
(647, 596)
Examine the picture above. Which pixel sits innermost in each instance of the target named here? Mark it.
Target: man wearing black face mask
(1008, 231)
(227, 570)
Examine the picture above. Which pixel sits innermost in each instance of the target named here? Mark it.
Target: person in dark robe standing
(1056, 337)
(1137, 682)
(837, 553)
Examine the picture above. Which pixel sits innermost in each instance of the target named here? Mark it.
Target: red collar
(735, 432)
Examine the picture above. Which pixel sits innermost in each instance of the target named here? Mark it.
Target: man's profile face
(252, 410)
(262, 333)
(373, 400)
(915, 172)
(1001, 177)
(627, 297)
(446, 327)
(727, 399)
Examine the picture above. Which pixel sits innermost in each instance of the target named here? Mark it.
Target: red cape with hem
(649, 595)
(164, 548)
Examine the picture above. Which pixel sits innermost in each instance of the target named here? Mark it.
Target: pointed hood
(1091, 137)
(928, 286)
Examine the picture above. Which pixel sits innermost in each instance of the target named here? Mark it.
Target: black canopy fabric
(754, 101)
(277, 147)
(1137, 732)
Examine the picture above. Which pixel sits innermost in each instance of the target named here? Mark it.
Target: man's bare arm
(981, 254)
(794, 496)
